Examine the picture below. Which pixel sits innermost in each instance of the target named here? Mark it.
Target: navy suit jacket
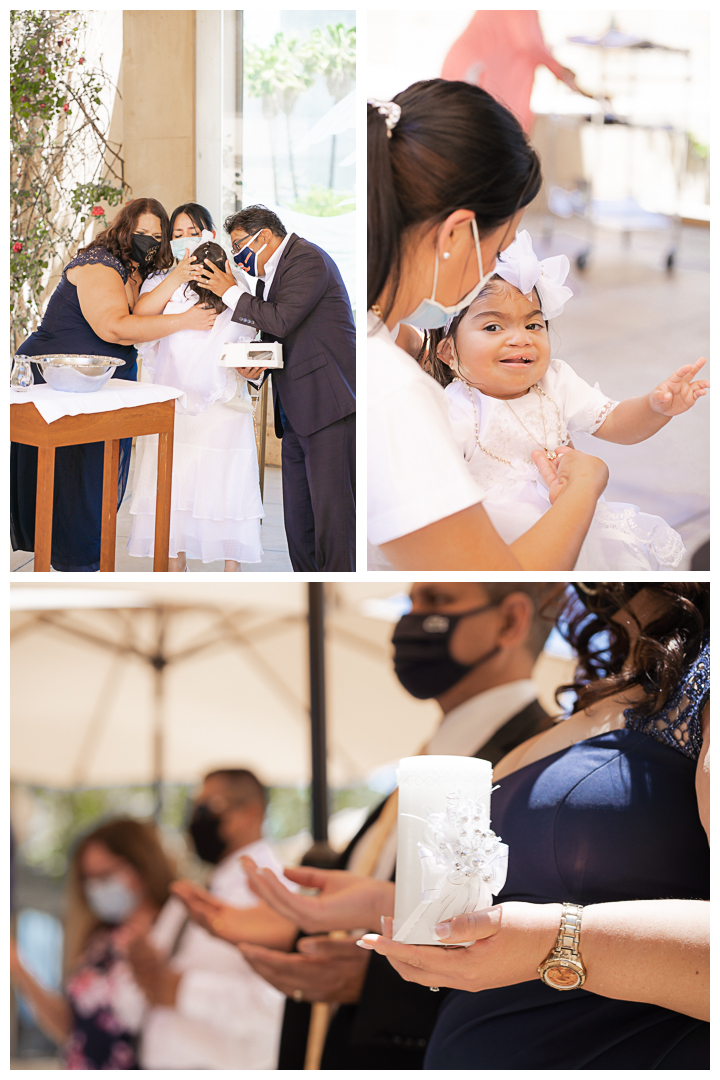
(307, 309)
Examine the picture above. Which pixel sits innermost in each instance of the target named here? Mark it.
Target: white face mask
(110, 899)
(430, 313)
(189, 243)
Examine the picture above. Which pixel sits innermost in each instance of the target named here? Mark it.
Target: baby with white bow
(508, 398)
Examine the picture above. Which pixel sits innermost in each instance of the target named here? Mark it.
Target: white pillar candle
(449, 862)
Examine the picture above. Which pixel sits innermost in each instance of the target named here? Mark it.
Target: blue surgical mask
(246, 258)
(189, 243)
(430, 313)
(110, 899)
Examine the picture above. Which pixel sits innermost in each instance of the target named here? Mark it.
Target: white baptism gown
(216, 509)
(621, 536)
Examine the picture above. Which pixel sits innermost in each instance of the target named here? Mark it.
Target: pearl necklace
(551, 455)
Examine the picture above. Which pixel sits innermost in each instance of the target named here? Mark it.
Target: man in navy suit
(301, 301)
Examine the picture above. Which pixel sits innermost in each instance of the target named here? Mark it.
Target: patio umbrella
(152, 683)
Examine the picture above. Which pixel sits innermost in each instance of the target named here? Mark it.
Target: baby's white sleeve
(584, 407)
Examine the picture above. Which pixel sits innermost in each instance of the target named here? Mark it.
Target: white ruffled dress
(216, 509)
(621, 536)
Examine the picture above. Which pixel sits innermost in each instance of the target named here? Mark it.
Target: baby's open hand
(679, 393)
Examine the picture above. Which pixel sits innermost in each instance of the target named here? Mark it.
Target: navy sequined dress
(610, 818)
(77, 492)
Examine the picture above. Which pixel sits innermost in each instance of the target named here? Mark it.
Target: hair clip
(390, 110)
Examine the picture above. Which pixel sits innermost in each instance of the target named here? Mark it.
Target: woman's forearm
(153, 302)
(140, 328)
(649, 950)
(554, 542)
(632, 421)
(50, 1009)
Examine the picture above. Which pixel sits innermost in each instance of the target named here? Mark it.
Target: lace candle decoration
(449, 861)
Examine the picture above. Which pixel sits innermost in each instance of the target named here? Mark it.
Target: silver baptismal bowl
(76, 373)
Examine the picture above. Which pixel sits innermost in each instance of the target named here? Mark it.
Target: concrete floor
(274, 541)
(629, 325)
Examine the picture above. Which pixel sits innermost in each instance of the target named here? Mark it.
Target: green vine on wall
(62, 165)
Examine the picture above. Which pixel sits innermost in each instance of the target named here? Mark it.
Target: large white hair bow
(520, 266)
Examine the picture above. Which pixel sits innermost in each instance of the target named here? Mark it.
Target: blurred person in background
(472, 647)
(499, 52)
(119, 879)
(207, 1007)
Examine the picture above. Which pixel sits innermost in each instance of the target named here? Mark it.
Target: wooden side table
(27, 426)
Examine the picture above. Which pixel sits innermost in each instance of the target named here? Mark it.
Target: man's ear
(446, 352)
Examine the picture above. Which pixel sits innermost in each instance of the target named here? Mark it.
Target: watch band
(565, 955)
(568, 939)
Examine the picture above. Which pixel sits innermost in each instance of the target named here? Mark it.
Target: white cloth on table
(416, 472)
(216, 507)
(53, 404)
(620, 537)
(226, 1016)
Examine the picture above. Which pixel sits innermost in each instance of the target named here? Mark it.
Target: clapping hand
(158, 982)
(323, 969)
(343, 900)
(679, 393)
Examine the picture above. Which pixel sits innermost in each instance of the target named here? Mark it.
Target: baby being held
(508, 398)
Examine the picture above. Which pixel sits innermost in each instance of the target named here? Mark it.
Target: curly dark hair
(117, 238)
(661, 652)
(214, 254)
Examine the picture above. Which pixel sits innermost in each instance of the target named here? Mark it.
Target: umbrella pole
(320, 854)
(157, 749)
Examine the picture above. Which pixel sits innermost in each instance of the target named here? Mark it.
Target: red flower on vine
(60, 41)
(24, 97)
(97, 211)
(17, 247)
(42, 71)
(81, 60)
(65, 107)
(42, 104)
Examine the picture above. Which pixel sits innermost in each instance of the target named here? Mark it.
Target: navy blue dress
(77, 492)
(611, 818)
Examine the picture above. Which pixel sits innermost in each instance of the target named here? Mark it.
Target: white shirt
(233, 294)
(416, 471)
(473, 723)
(226, 1016)
(462, 731)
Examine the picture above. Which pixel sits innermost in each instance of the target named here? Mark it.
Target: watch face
(564, 978)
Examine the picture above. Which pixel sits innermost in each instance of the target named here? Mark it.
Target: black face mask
(423, 663)
(144, 249)
(204, 828)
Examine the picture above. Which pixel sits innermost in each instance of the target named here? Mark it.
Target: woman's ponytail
(385, 221)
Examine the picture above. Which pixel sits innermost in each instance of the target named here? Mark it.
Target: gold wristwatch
(563, 969)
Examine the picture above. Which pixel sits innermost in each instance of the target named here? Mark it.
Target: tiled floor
(273, 538)
(629, 325)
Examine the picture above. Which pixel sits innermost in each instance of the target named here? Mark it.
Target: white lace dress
(216, 509)
(621, 536)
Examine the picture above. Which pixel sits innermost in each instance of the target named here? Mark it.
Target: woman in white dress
(449, 173)
(216, 509)
(508, 397)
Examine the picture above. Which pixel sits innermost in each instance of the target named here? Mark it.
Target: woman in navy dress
(90, 312)
(608, 809)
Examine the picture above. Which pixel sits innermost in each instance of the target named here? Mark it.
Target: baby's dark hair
(214, 254)
(429, 359)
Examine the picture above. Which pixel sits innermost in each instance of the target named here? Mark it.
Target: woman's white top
(188, 359)
(515, 497)
(416, 471)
